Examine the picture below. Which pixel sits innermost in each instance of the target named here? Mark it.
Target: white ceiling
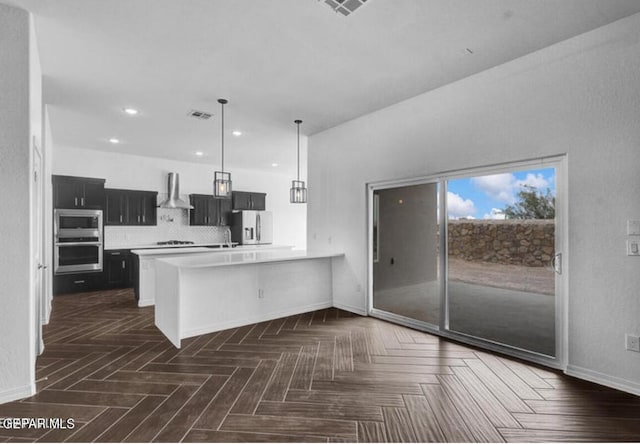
(274, 61)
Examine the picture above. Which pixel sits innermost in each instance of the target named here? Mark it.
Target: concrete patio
(509, 304)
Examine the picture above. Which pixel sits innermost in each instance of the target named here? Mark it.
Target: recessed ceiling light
(130, 111)
(274, 164)
(199, 153)
(114, 140)
(237, 133)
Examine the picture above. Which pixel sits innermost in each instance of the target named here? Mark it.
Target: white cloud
(497, 186)
(495, 214)
(504, 187)
(534, 180)
(458, 208)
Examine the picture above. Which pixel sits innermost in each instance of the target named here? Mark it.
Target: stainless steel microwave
(78, 241)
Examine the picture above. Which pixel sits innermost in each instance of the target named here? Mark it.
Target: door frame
(559, 162)
(38, 278)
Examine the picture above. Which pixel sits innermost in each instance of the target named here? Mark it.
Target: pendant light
(298, 193)
(222, 180)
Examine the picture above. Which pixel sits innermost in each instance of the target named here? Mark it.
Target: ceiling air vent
(202, 115)
(344, 7)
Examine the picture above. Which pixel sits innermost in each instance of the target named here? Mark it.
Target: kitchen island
(146, 287)
(204, 293)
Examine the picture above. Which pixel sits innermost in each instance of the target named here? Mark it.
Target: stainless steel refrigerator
(252, 227)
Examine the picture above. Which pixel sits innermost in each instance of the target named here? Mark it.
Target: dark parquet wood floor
(326, 376)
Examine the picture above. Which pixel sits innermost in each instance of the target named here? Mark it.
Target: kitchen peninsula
(146, 286)
(202, 293)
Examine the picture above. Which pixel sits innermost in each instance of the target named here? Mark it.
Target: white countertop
(243, 258)
(156, 246)
(149, 252)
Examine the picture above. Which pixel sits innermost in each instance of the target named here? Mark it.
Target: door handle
(556, 262)
(143, 218)
(75, 201)
(121, 218)
(41, 266)
(82, 201)
(123, 265)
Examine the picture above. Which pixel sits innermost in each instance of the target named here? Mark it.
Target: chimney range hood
(174, 201)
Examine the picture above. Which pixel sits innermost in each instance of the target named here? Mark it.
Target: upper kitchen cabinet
(131, 207)
(115, 207)
(246, 200)
(78, 192)
(207, 210)
(143, 208)
(224, 211)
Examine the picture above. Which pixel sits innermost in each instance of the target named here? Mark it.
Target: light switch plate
(632, 343)
(633, 228)
(633, 247)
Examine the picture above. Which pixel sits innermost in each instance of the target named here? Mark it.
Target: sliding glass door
(501, 247)
(472, 255)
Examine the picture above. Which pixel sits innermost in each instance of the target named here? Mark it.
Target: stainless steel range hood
(174, 201)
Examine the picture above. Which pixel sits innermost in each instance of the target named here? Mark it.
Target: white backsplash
(172, 225)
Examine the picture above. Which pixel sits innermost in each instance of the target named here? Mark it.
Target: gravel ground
(514, 277)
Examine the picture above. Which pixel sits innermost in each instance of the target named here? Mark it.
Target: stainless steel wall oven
(78, 241)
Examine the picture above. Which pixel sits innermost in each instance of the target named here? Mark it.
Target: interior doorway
(475, 255)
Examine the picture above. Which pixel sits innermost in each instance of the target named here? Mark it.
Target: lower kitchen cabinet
(77, 282)
(119, 269)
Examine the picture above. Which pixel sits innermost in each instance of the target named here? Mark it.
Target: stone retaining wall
(516, 242)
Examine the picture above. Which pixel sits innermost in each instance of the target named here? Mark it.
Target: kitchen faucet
(227, 237)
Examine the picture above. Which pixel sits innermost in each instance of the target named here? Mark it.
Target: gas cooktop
(175, 242)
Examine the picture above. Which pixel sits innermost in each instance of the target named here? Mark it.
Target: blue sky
(478, 197)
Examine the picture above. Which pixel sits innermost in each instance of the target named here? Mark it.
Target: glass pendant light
(298, 193)
(222, 180)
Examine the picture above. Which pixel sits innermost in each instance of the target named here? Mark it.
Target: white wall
(18, 122)
(148, 173)
(580, 97)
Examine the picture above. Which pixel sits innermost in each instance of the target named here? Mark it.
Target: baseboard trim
(146, 302)
(17, 393)
(604, 379)
(255, 319)
(350, 308)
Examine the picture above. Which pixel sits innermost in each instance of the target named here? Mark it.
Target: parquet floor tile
(324, 376)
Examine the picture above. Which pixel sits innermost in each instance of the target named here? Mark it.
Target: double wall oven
(78, 241)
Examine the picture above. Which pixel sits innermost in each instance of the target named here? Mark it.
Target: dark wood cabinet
(77, 282)
(131, 207)
(224, 211)
(115, 207)
(119, 270)
(142, 207)
(78, 192)
(208, 210)
(247, 200)
(199, 214)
